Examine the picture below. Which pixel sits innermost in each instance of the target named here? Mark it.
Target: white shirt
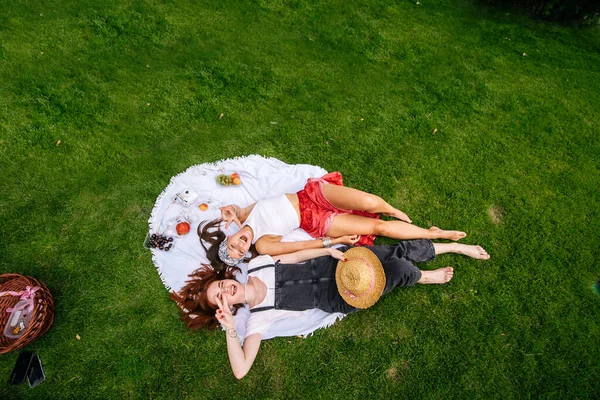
(273, 216)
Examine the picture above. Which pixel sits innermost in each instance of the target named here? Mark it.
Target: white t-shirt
(259, 322)
(273, 216)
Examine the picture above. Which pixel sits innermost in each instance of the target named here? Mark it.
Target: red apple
(183, 228)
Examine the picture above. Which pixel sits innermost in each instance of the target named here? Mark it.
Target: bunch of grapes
(228, 180)
(224, 180)
(162, 242)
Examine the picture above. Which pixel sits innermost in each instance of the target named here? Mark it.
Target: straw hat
(360, 280)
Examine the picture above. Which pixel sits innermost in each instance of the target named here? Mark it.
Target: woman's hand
(350, 240)
(229, 215)
(338, 255)
(223, 314)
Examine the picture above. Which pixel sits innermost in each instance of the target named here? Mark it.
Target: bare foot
(437, 276)
(450, 235)
(477, 252)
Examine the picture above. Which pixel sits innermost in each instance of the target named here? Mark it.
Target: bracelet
(326, 242)
(232, 333)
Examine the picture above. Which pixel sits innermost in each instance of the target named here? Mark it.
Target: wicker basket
(42, 315)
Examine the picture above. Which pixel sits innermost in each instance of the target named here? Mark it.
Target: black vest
(300, 287)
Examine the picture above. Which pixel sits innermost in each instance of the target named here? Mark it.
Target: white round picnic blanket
(260, 178)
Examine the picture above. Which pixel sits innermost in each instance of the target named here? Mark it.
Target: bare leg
(357, 225)
(353, 199)
(440, 275)
(477, 252)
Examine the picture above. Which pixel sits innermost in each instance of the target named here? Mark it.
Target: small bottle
(18, 320)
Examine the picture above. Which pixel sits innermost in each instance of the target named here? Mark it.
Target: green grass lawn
(133, 91)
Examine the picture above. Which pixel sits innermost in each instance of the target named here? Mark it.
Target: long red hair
(196, 311)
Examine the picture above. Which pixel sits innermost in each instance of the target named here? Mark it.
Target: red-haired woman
(280, 289)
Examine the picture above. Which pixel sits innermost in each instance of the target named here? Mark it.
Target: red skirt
(317, 213)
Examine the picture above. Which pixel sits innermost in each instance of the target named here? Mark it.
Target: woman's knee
(370, 202)
(382, 228)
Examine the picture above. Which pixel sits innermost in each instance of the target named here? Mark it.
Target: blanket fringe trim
(338, 317)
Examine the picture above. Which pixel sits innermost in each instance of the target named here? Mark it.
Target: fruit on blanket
(161, 242)
(203, 207)
(229, 180)
(183, 228)
(224, 180)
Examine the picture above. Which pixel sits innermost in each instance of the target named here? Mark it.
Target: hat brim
(366, 299)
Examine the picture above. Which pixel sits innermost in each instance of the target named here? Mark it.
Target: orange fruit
(236, 181)
(234, 175)
(203, 207)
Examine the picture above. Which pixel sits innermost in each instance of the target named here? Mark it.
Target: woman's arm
(304, 255)
(235, 213)
(241, 357)
(273, 245)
